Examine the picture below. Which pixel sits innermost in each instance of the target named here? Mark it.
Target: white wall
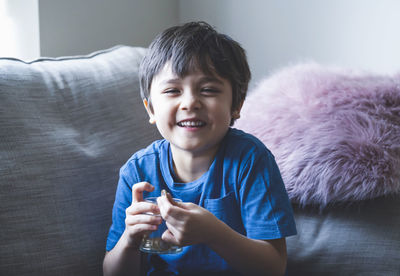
(352, 33)
(19, 29)
(75, 27)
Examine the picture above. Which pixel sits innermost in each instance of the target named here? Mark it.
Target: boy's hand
(137, 223)
(187, 223)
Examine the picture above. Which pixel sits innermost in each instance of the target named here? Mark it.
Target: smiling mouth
(191, 124)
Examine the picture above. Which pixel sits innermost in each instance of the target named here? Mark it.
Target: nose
(190, 101)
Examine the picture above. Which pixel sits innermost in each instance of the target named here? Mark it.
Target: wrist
(129, 243)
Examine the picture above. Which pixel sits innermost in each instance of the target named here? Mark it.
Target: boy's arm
(122, 259)
(249, 256)
(189, 224)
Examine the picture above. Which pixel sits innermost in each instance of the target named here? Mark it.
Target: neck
(190, 166)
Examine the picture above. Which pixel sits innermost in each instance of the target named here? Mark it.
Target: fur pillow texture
(335, 132)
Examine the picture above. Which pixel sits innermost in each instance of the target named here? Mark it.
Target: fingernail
(163, 193)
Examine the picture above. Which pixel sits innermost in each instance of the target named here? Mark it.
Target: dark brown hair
(197, 45)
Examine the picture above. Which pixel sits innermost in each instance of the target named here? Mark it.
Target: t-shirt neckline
(169, 173)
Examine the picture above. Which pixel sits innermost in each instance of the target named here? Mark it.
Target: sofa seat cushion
(358, 239)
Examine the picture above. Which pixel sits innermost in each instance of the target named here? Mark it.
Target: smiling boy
(235, 213)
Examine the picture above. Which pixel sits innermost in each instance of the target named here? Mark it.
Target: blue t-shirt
(243, 187)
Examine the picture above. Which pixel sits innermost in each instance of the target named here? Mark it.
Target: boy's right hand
(137, 223)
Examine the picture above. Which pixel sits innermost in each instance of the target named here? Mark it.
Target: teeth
(191, 124)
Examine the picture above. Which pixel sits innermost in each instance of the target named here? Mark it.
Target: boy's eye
(171, 91)
(209, 90)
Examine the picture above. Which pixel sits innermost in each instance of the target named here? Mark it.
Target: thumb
(183, 205)
(167, 204)
(169, 198)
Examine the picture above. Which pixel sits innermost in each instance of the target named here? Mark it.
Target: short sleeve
(265, 206)
(123, 199)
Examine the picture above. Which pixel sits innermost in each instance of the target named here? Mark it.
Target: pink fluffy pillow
(335, 133)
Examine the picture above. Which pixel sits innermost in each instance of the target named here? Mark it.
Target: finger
(186, 205)
(143, 219)
(170, 199)
(141, 229)
(143, 207)
(169, 237)
(165, 206)
(173, 209)
(138, 189)
(168, 196)
(173, 227)
(166, 200)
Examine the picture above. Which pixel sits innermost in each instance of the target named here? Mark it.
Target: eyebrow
(202, 80)
(210, 79)
(171, 81)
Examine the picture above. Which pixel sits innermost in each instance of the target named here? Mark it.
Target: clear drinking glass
(152, 243)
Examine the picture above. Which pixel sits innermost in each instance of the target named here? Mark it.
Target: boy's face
(194, 112)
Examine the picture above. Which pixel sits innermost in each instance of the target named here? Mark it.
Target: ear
(236, 113)
(152, 120)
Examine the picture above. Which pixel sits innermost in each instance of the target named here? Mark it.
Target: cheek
(223, 113)
(163, 111)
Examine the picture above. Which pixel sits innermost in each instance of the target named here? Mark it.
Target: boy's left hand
(187, 223)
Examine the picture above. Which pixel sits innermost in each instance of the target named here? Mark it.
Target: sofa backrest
(66, 127)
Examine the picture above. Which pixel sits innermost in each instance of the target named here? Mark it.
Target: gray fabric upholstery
(66, 127)
(358, 239)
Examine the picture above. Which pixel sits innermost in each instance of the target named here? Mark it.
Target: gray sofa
(66, 127)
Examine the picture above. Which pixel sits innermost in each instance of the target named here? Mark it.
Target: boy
(235, 212)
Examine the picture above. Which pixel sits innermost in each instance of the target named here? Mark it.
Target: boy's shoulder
(143, 162)
(150, 152)
(243, 141)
